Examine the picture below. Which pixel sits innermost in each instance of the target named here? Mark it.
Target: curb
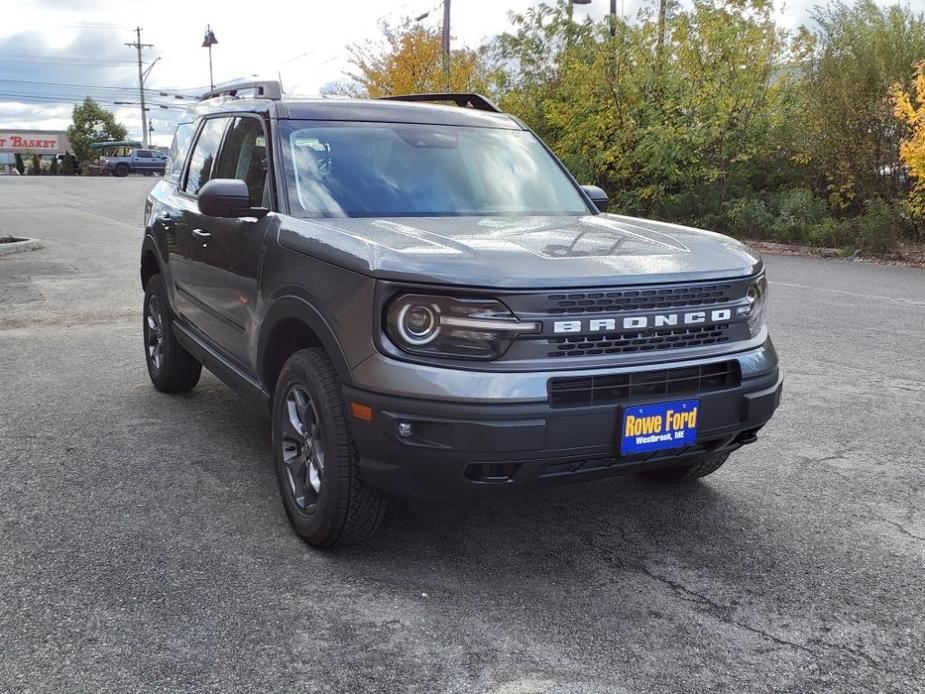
(20, 247)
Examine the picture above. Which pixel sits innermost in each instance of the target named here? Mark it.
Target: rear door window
(205, 151)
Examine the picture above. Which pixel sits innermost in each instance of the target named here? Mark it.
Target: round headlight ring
(417, 324)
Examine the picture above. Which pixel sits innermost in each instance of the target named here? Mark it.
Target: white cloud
(305, 42)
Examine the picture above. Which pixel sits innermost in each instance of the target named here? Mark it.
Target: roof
(365, 110)
(120, 143)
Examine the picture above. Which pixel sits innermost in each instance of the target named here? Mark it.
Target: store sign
(29, 142)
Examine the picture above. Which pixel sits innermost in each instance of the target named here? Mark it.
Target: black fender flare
(149, 245)
(295, 307)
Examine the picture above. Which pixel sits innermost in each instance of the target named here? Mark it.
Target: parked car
(424, 302)
(145, 161)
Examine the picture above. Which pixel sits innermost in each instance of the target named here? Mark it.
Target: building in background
(26, 143)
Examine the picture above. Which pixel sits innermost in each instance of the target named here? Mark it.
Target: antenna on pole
(138, 45)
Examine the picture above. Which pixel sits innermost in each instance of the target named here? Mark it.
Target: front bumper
(475, 448)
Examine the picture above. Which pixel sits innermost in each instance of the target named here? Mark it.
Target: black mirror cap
(227, 197)
(598, 197)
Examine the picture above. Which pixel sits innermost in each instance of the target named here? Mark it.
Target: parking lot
(144, 546)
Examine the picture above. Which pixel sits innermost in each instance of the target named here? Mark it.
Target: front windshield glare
(406, 170)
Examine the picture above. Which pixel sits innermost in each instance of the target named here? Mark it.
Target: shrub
(830, 233)
(749, 218)
(881, 226)
(53, 167)
(20, 166)
(797, 211)
(69, 165)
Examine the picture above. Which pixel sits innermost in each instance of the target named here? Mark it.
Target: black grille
(595, 390)
(638, 299)
(623, 343)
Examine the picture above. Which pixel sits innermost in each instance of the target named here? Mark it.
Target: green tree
(69, 165)
(92, 123)
(20, 166)
(669, 132)
(850, 138)
(53, 167)
(36, 167)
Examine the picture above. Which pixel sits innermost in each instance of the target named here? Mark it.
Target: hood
(522, 252)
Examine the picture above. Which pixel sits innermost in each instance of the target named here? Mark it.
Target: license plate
(657, 427)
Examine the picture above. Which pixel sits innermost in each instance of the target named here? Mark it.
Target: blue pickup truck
(146, 161)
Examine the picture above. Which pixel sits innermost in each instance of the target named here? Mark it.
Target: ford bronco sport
(425, 302)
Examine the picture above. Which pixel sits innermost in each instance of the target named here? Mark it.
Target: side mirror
(598, 197)
(228, 197)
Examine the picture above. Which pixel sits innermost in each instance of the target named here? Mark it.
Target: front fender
(293, 306)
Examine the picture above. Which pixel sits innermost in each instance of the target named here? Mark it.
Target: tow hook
(747, 437)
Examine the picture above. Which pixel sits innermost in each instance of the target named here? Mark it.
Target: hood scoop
(596, 237)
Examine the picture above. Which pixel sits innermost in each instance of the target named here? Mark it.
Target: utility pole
(446, 45)
(613, 18)
(138, 45)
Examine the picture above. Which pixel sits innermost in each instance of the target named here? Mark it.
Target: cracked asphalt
(143, 546)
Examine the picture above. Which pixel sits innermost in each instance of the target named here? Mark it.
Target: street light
(613, 12)
(207, 42)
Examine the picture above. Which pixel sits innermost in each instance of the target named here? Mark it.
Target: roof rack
(263, 89)
(476, 101)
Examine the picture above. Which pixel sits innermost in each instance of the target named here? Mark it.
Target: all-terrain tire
(343, 509)
(121, 170)
(700, 467)
(172, 369)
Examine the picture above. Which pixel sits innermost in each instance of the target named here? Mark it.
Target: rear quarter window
(178, 151)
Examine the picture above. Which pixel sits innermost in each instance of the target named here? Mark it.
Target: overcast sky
(54, 52)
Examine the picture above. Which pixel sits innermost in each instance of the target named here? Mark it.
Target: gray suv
(426, 303)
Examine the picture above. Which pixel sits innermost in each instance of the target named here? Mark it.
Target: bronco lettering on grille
(658, 320)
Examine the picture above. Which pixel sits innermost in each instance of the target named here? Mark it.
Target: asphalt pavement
(143, 546)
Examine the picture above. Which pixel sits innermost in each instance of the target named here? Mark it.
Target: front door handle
(201, 234)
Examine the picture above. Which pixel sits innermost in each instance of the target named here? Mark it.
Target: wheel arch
(291, 324)
(150, 260)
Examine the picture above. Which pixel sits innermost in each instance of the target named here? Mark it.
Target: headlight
(756, 309)
(447, 327)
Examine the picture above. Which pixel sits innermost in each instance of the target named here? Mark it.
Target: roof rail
(476, 101)
(263, 89)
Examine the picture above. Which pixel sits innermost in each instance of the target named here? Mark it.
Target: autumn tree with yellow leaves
(910, 109)
(408, 59)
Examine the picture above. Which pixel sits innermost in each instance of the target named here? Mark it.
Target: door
(227, 252)
(190, 224)
(142, 160)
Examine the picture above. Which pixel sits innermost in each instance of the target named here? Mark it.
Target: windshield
(405, 170)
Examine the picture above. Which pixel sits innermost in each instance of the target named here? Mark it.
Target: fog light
(405, 429)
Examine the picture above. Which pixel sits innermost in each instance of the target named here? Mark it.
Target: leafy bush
(749, 218)
(830, 233)
(69, 165)
(881, 226)
(797, 211)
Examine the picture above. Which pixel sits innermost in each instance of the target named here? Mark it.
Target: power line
(65, 61)
(72, 99)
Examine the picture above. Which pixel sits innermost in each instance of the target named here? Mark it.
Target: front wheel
(316, 459)
(701, 466)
